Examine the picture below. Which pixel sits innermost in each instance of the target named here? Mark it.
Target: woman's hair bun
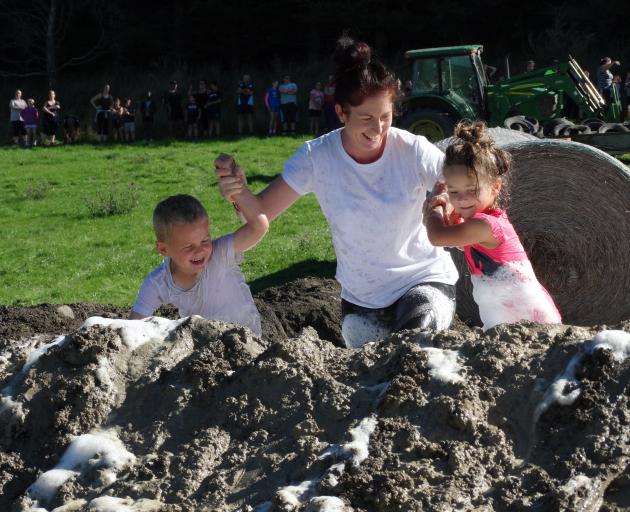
(350, 54)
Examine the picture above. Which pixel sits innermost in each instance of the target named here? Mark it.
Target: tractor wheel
(433, 124)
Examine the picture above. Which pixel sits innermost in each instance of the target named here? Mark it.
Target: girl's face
(465, 195)
(366, 126)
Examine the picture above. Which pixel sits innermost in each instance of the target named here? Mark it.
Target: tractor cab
(448, 84)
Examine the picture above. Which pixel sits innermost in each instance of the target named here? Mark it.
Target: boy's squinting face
(465, 195)
(189, 246)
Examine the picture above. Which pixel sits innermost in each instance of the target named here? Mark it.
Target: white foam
(111, 453)
(135, 333)
(296, 495)
(114, 504)
(618, 342)
(37, 353)
(358, 448)
(512, 294)
(443, 364)
(325, 504)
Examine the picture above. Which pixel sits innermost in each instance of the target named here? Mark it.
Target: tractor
(450, 84)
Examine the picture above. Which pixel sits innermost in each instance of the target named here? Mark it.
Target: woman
(17, 106)
(103, 103)
(370, 180)
(50, 121)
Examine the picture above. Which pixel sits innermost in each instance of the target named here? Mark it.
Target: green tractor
(450, 84)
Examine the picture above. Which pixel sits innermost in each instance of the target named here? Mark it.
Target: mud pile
(194, 415)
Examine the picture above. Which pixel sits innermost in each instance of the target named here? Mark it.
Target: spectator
(213, 109)
(408, 89)
(192, 117)
(201, 99)
(245, 104)
(626, 94)
(117, 120)
(103, 102)
(605, 77)
(531, 65)
(16, 106)
(288, 104)
(315, 106)
(71, 130)
(50, 120)
(173, 102)
(30, 115)
(129, 121)
(272, 102)
(330, 116)
(147, 110)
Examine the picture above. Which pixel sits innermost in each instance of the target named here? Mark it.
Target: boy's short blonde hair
(179, 209)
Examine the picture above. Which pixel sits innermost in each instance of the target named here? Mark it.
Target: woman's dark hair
(358, 74)
(475, 149)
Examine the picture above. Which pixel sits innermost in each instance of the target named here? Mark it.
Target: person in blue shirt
(272, 102)
(245, 104)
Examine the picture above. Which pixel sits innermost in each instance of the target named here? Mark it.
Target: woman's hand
(231, 178)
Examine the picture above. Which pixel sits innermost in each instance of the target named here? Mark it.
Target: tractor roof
(446, 51)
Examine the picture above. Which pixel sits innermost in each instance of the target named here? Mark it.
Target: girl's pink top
(30, 116)
(504, 283)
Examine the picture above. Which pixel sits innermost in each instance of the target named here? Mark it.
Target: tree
(36, 39)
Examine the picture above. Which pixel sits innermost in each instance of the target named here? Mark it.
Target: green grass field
(54, 250)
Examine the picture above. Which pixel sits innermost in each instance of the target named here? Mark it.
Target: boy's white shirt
(220, 293)
(375, 214)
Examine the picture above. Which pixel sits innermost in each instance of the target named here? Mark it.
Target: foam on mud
(135, 333)
(113, 504)
(443, 364)
(358, 448)
(112, 456)
(565, 389)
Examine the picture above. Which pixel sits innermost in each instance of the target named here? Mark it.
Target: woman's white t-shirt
(375, 214)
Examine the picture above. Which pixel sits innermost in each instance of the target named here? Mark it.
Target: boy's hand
(231, 178)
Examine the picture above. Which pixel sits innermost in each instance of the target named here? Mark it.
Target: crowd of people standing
(193, 114)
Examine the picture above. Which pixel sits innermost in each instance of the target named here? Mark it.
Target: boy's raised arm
(257, 224)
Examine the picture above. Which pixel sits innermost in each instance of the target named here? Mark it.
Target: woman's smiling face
(366, 126)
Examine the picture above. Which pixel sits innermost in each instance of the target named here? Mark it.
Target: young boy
(201, 276)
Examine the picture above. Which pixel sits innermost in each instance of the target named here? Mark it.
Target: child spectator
(315, 106)
(117, 120)
(201, 99)
(71, 129)
(147, 110)
(192, 118)
(30, 115)
(330, 116)
(129, 121)
(173, 102)
(504, 284)
(16, 106)
(201, 276)
(102, 102)
(245, 104)
(272, 102)
(213, 110)
(288, 104)
(50, 121)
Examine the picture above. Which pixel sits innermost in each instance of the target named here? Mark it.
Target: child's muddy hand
(439, 188)
(224, 165)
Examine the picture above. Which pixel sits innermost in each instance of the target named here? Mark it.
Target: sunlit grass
(53, 250)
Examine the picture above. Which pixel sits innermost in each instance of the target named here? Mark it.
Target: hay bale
(570, 204)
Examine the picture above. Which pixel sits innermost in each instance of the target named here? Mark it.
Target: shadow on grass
(310, 268)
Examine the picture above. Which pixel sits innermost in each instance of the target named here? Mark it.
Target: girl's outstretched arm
(473, 231)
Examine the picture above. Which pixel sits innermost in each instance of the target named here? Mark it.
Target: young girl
(315, 106)
(504, 284)
(31, 118)
(117, 121)
(272, 102)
